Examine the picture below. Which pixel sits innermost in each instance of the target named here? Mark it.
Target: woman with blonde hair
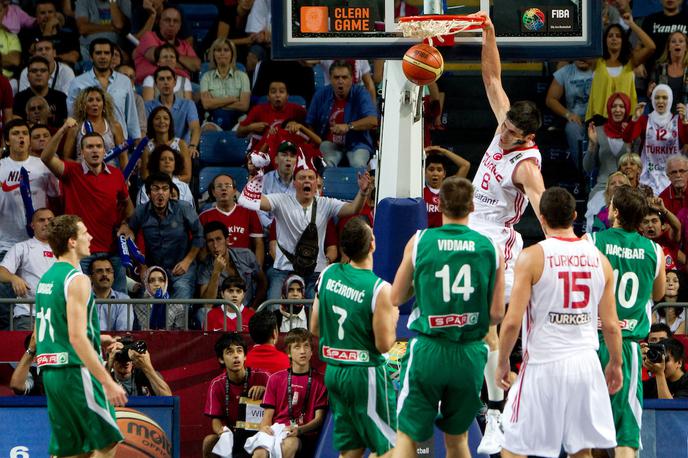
(631, 165)
(95, 106)
(225, 90)
(614, 181)
(672, 67)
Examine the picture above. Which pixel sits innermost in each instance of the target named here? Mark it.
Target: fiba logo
(533, 19)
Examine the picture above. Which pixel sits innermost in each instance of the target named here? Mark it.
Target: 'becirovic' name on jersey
(347, 292)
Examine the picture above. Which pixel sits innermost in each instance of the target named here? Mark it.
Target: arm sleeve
(214, 400)
(259, 17)
(255, 229)
(634, 129)
(133, 129)
(245, 84)
(148, 81)
(12, 260)
(270, 396)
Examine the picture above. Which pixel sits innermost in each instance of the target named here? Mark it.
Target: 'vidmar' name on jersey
(636, 261)
(454, 275)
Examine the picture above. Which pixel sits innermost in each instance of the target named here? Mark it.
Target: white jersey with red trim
(660, 143)
(496, 198)
(561, 318)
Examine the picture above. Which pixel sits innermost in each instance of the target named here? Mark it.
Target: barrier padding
(396, 220)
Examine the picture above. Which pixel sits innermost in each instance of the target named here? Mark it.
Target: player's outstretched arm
(402, 288)
(491, 68)
(385, 320)
(78, 295)
(498, 307)
(610, 329)
(526, 272)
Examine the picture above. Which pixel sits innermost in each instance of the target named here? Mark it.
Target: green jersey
(52, 334)
(346, 297)
(454, 276)
(636, 262)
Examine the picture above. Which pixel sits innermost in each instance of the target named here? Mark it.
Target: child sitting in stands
(233, 289)
(222, 404)
(295, 404)
(288, 318)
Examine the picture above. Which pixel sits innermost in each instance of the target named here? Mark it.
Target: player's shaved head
(631, 205)
(356, 239)
(456, 197)
(558, 207)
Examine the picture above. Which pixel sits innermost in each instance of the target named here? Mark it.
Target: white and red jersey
(561, 318)
(496, 198)
(431, 196)
(241, 223)
(660, 143)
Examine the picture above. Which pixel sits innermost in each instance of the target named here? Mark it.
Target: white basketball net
(434, 28)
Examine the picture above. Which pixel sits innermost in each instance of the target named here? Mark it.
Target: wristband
(351, 126)
(30, 352)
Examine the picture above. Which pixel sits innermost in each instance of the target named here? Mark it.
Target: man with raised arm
(507, 179)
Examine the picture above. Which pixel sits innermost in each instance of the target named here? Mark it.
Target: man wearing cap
(293, 214)
(281, 179)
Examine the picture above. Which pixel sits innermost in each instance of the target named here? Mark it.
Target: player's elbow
(384, 345)
(496, 315)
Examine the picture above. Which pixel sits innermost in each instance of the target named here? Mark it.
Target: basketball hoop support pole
(400, 169)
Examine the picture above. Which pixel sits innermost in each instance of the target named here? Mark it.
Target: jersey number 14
(461, 284)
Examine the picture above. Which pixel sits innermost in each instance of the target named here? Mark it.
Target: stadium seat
(201, 16)
(340, 182)
(206, 175)
(297, 99)
(222, 148)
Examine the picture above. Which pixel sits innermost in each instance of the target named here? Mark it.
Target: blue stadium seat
(222, 148)
(341, 182)
(206, 175)
(201, 16)
(297, 99)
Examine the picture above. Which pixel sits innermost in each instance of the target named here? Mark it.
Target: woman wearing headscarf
(662, 134)
(153, 316)
(605, 147)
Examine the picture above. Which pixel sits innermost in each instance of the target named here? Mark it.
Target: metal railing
(13, 302)
(306, 303)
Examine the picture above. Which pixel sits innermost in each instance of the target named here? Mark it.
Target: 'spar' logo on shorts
(341, 354)
(453, 320)
(44, 288)
(52, 359)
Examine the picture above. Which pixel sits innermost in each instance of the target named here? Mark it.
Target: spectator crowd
(104, 111)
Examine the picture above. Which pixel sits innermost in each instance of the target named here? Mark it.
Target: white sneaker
(494, 436)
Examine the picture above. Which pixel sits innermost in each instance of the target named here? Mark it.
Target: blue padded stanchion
(396, 220)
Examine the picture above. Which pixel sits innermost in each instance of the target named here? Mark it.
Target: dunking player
(458, 278)
(357, 323)
(639, 275)
(508, 177)
(562, 285)
(80, 392)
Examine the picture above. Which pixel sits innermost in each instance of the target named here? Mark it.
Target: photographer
(130, 366)
(664, 361)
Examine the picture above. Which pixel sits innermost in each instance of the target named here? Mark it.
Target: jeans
(6, 292)
(181, 287)
(332, 155)
(120, 283)
(276, 279)
(575, 134)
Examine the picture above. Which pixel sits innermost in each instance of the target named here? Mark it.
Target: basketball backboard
(526, 29)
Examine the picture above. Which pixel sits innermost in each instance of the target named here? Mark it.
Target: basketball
(422, 64)
(143, 437)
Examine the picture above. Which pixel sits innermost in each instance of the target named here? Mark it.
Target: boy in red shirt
(264, 355)
(233, 290)
(225, 391)
(295, 404)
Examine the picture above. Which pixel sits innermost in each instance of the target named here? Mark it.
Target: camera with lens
(139, 346)
(656, 353)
